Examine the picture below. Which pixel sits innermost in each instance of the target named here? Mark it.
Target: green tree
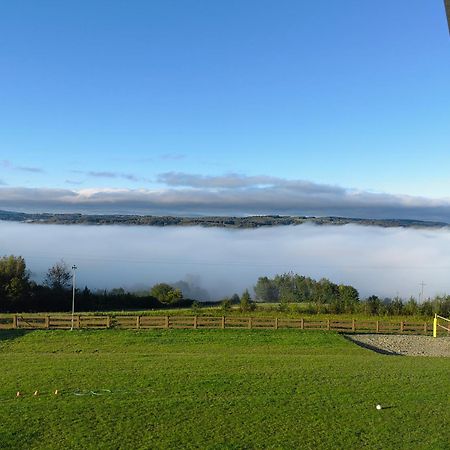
(347, 300)
(225, 305)
(426, 308)
(266, 290)
(58, 276)
(373, 305)
(411, 307)
(304, 288)
(235, 299)
(165, 293)
(395, 306)
(326, 291)
(286, 286)
(246, 302)
(117, 292)
(14, 281)
(283, 306)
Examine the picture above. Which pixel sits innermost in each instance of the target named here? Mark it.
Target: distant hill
(208, 221)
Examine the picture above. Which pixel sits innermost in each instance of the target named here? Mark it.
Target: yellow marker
(56, 392)
(36, 393)
(435, 326)
(18, 394)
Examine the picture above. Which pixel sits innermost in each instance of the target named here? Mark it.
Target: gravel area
(407, 345)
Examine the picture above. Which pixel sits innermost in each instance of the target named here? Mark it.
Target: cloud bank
(232, 194)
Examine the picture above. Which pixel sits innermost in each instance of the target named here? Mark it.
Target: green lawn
(216, 389)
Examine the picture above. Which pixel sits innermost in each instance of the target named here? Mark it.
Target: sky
(237, 107)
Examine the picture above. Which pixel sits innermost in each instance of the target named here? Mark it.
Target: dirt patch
(407, 345)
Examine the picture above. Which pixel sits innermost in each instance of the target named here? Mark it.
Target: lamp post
(74, 268)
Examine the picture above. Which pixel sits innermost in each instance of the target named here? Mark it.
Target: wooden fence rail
(54, 322)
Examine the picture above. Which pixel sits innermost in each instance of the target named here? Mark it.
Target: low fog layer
(375, 260)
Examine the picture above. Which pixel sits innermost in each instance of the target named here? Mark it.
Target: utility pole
(74, 268)
(422, 284)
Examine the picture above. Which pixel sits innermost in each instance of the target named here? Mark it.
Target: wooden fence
(54, 322)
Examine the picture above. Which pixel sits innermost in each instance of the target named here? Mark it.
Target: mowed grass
(216, 389)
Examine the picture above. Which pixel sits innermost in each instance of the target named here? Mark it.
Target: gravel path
(403, 344)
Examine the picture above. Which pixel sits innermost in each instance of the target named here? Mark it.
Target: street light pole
(74, 268)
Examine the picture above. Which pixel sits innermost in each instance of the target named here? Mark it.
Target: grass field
(216, 389)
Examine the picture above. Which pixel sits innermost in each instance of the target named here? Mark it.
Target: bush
(165, 293)
(246, 302)
(225, 305)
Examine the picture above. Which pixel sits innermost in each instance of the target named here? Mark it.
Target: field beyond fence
(138, 322)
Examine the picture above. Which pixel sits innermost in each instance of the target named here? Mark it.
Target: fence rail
(439, 327)
(54, 322)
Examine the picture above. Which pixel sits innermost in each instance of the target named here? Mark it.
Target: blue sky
(108, 98)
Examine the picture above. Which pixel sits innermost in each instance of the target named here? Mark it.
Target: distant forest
(215, 221)
(18, 293)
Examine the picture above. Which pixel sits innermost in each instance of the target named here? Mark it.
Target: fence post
(402, 326)
(47, 322)
(328, 325)
(108, 321)
(167, 322)
(378, 326)
(195, 321)
(78, 324)
(250, 323)
(435, 326)
(353, 325)
(223, 322)
(276, 323)
(138, 322)
(14, 324)
(302, 323)
(425, 328)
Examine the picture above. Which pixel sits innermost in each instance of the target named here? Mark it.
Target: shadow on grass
(10, 335)
(379, 350)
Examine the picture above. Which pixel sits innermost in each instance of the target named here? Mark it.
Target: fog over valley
(381, 261)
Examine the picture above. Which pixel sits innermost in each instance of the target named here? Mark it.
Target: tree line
(294, 288)
(19, 293)
(288, 292)
(324, 296)
(207, 221)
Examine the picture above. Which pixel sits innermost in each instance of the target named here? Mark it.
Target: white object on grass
(378, 407)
